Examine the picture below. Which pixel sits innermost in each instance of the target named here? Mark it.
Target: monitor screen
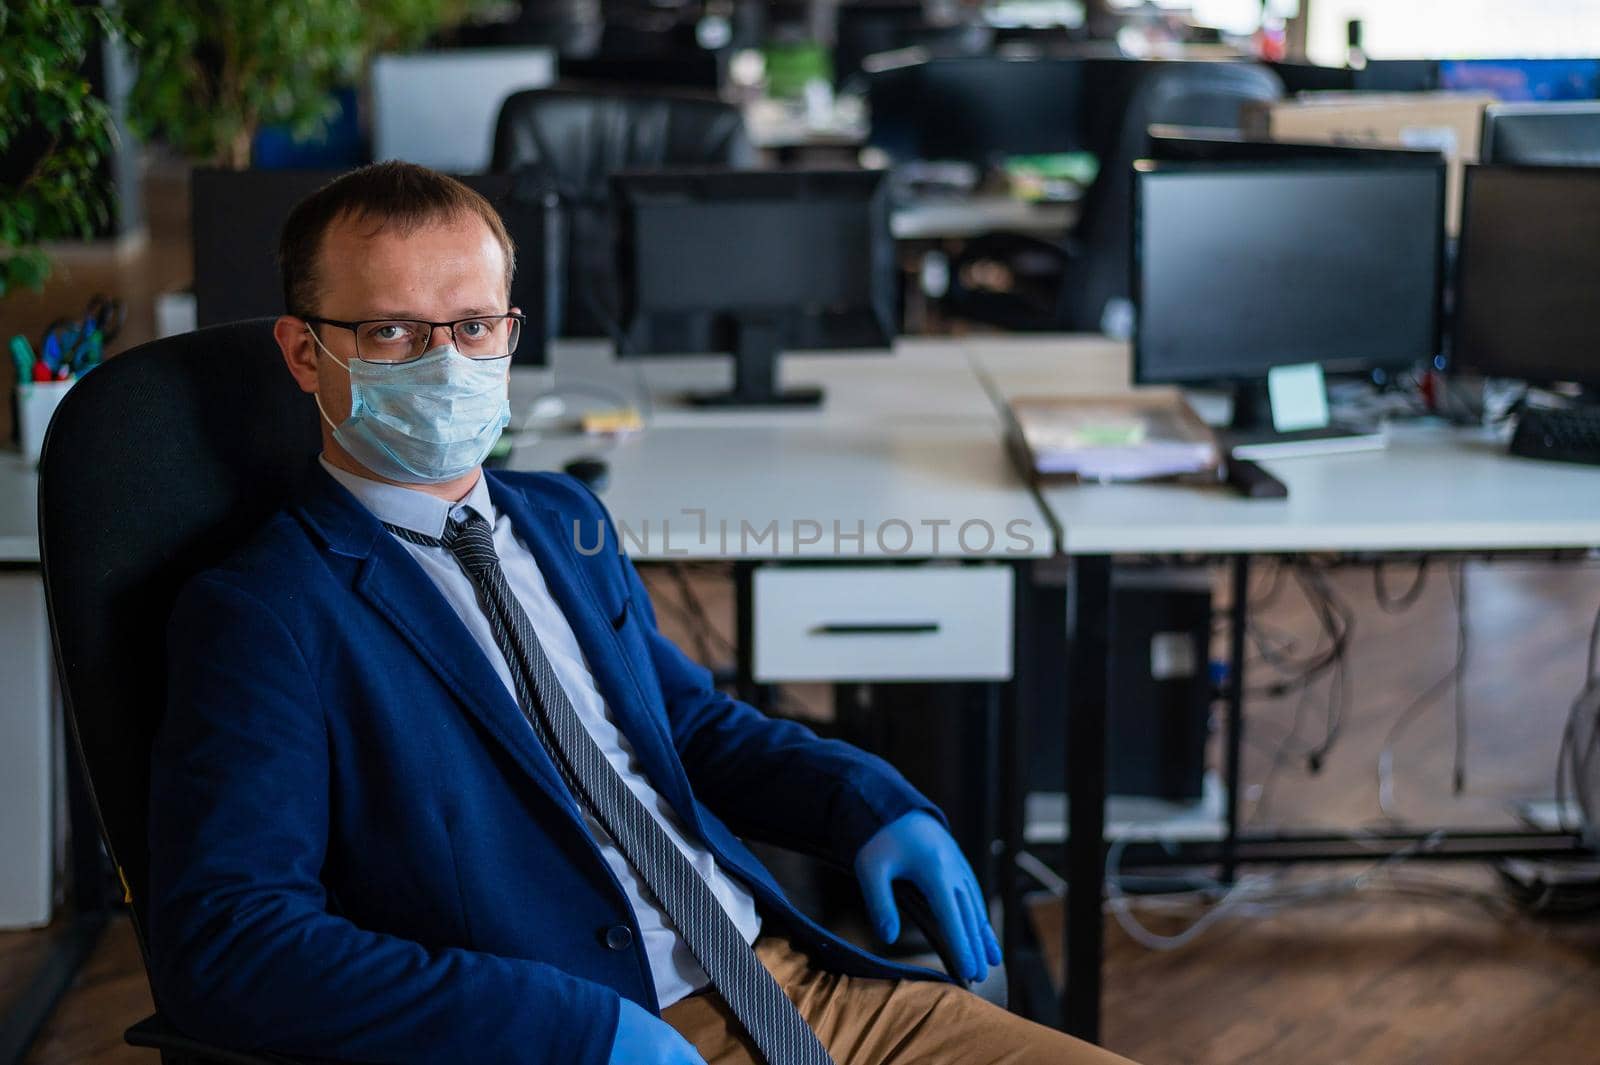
(1550, 134)
(1528, 268)
(698, 251)
(1239, 268)
(237, 216)
(1204, 144)
(865, 30)
(1523, 79)
(979, 109)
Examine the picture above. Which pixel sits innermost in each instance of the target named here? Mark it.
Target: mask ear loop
(317, 395)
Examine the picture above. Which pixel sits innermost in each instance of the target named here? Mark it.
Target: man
(432, 787)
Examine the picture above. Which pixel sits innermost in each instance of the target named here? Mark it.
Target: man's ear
(299, 350)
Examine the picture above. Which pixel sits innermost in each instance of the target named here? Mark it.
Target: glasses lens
(395, 341)
(488, 338)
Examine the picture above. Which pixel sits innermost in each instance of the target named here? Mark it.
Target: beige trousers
(882, 1022)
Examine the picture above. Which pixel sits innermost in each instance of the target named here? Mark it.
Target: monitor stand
(1250, 435)
(756, 346)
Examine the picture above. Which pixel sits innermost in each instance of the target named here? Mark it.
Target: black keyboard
(1560, 435)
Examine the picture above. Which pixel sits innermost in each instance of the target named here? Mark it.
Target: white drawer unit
(881, 623)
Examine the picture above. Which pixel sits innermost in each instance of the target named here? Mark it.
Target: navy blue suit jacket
(359, 849)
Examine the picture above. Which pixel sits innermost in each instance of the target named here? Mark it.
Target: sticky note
(1299, 397)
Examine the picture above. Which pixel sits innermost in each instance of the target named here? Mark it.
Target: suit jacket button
(619, 937)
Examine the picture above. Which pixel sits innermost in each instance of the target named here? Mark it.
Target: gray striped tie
(755, 997)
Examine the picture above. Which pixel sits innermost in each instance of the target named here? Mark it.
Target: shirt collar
(410, 508)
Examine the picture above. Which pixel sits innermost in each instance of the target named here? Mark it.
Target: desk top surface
(920, 378)
(812, 491)
(962, 217)
(1434, 487)
(19, 510)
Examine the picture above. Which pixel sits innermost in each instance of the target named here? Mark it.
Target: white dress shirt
(672, 966)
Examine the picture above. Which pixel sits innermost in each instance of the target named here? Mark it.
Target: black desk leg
(744, 598)
(1238, 619)
(1013, 777)
(1088, 621)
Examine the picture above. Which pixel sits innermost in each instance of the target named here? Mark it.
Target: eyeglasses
(396, 340)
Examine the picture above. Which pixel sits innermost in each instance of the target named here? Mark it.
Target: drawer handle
(875, 628)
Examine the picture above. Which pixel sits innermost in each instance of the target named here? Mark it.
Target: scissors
(107, 315)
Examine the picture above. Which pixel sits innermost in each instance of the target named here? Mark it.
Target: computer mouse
(590, 470)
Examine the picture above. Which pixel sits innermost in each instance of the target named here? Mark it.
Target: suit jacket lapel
(391, 581)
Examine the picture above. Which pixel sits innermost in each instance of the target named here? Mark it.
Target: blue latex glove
(917, 848)
(644, 1039)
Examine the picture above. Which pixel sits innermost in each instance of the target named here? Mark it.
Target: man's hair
(387, 194)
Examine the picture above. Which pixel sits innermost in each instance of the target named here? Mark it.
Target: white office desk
(961, 218)
(919, 378)
(929, 477)
(19, 514)
(904, 463)
(1433, 488)
(26, 704)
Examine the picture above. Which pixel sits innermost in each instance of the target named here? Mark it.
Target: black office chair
(157, 465)
(1066, 285)
(573, 140)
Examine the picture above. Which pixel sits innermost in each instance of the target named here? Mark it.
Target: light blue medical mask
(426, 421)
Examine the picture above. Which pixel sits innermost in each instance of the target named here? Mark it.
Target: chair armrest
(917, 910)
(176, 1048)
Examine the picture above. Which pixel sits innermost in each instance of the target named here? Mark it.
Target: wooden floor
(1373, 979)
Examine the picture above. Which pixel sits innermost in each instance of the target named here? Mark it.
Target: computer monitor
(689, 70)
(439, 107)
(237, 216)
(1528, 262)
(1240, 268)
(979, 109)
(1396, 75)
(1207, 145)
(1310, 77)
(1547, 134)
(867, 29)
(1515, 80)
(754, 263)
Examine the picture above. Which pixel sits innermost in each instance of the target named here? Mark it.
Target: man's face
(441, 272)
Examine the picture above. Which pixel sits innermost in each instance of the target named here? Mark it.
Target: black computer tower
(944, 739)
(1158, 690)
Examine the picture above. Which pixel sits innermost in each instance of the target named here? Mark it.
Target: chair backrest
(156, 466)
(1201, 94)
(575, 139)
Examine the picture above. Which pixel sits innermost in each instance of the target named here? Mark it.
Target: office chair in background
(1067, 285)
(157, 465)
(573, 140)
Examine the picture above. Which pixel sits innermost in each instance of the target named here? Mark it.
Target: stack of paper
(1128, 437)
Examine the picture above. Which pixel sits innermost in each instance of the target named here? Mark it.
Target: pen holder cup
(36, 405)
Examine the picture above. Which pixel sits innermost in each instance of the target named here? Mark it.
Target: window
(1458, 29)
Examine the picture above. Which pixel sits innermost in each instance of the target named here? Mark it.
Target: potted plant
(53, 134)
(213, 72)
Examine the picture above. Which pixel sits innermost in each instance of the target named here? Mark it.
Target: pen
(22, 357)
